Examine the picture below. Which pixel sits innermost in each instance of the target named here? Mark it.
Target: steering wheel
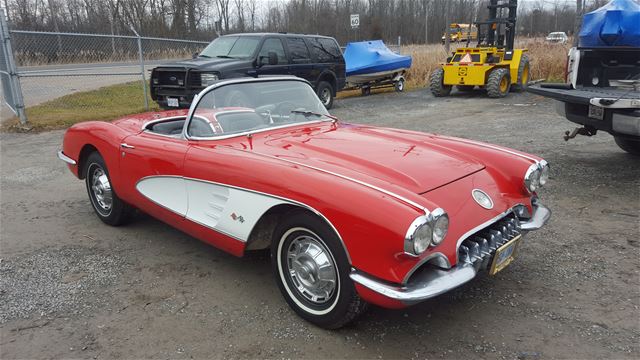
(284, 109)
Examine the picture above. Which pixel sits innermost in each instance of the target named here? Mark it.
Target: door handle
(127, 146)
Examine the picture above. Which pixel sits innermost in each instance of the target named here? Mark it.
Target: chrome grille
(478, 249)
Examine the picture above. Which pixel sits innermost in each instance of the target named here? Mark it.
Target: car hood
(202, 63)
(378, 156)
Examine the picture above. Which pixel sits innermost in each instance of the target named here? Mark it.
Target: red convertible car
(353, 214)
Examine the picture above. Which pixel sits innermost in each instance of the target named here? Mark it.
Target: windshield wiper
(225, 57)
(204, 56)
(309, 113)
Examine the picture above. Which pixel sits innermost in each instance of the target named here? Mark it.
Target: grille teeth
(479, 248)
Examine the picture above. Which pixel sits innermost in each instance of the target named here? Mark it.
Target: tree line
(415, 21)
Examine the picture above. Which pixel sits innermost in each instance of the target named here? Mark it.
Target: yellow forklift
(493, 64)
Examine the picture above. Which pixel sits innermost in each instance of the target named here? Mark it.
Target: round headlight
(544, 174)
(532, 178)
(440, 229)
(422, 239)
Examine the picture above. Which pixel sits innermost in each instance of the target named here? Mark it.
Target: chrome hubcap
(311, 269)
(325, 96)
(101, 189)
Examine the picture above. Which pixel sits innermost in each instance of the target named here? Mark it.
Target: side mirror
(195, 55)
(273, 58)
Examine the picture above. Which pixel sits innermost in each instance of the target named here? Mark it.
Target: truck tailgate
(582, 96)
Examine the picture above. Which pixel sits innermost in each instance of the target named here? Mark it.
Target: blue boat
(372, 61)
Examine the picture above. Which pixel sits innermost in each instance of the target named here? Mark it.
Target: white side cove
(228, 210)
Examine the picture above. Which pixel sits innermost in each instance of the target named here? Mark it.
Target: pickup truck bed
(582, 96)
(618, 114)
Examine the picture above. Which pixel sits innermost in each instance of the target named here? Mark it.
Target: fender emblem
(237, 218)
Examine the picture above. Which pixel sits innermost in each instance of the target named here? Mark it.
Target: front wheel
(106, 203)
(628, 145)
(499, 83)
(312, 272)
(325, 93)
(436, 84)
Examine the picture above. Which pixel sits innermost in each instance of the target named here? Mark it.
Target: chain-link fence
(84, 76)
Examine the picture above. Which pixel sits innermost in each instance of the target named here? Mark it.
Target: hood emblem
(173, 78)
(482, 198)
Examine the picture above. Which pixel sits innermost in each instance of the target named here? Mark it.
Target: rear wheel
(628, 145)
(312, 271)
(106, 203)
(523, 74)
(325, 93)
(436, 84)
(499, 83)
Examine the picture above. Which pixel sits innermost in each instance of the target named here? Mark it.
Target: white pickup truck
(602, 86)
(602, 92)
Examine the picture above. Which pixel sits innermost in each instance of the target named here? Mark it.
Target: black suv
(317, 59)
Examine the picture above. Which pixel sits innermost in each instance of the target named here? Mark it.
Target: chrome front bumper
(65, 158)
(435, 281)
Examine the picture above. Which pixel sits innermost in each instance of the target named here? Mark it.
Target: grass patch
(106, 103)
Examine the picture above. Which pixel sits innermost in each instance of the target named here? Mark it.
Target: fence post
(143, 78)
(14, 79)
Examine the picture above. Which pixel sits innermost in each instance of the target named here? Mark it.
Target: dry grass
(106, 103)
(547, 60)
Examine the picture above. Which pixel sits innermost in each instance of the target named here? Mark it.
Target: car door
(152, 168)
(272, 44)
(301, 65)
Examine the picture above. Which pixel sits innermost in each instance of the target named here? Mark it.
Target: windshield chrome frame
(208, 89)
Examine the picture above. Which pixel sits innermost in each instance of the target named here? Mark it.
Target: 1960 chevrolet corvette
(352, 214)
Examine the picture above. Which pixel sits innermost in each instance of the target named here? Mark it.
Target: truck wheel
(325, 93)
(628, 145)
(312, 271)
(499, 83)
(438, 88)
(465, 88)
(523, 74)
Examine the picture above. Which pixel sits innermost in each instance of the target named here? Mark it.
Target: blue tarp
(615, 24)
(367, 57)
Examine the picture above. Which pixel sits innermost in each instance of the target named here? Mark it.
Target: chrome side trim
(65, 158)
(472, 142)
(425, 286)
(386, 192)
(294, 202)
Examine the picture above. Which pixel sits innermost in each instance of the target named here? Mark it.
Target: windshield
(239, 108)
(236, 47)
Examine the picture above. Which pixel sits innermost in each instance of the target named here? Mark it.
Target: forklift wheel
(438, 88)
(523, 74)
(499, 83)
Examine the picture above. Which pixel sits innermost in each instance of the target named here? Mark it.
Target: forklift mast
(500, 29)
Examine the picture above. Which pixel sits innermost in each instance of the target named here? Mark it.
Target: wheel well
(84, 154)
(262, 233)
(328, 77)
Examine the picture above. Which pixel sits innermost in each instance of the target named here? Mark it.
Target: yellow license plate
(505, 254)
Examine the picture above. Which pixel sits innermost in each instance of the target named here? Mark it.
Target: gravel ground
(71, 287)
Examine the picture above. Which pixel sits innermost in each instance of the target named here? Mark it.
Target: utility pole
(426, 21)
(447, 39)
(578, 22)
